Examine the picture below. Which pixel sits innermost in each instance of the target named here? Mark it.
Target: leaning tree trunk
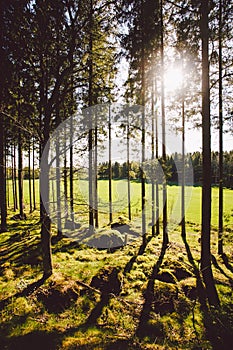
(206, 170)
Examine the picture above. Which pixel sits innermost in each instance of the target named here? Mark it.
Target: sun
(173, 79)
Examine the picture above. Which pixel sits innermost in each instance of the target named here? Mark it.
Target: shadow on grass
(216, 265)
(35, 340)
(144, 329)
(25, 292)
(142, 248)
(218, 330)
(226, 262)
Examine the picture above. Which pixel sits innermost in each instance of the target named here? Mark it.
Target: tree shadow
(36, 340)
(200, 287)
(216, 265)
(25, 292)
(144, 329)
(226, 262)
(142, 248)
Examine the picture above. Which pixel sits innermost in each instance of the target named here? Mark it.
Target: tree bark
(183, 226)
(128, 167)
(220, 207)
(33, 175)
(44, 187)
(20, 175)
(143, 184)
(110, 164)
(3, 204)
(164, 156)
(29, 177)
(90, 133)
(206, 169)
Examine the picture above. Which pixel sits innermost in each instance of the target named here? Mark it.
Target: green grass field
(119, 194)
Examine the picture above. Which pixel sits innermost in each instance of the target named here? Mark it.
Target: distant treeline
(120, 171)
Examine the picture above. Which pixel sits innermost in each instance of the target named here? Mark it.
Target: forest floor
(135, 297)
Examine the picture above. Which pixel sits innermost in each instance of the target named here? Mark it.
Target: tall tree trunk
(183, 226)
(33, 175)
(220, 210)
(143, 182)
(44, 188)
(58, 190)
(153, 156)
(58, 177)
(128, 166)
(29, 177)
(7, 179)
(157, 157)
(90, 133)
(206, 144)
(3, 205)
(65, 178)
(20, 175)
(96, 171)
(71, 177)
(13, 177)
(110, 164)
(164, 156)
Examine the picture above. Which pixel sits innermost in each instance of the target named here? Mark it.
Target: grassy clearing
(119, 194)
(121, 303)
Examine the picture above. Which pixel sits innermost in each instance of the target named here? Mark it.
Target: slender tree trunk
(143, 182)
(220, 212)
(90, 134)
(71, 177)
(65, 178)
(45, 203)
(58, 190)
(153, 156)
(12, 177)
(164, 156)
(157, 157)
(15, 179)
(183, 226)
(7, 179)
(110, 164)
(20, 175)
(128, 167)
(3, 205)
(33, 175)
(206, 186)
(29, 177)
(96, 171)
